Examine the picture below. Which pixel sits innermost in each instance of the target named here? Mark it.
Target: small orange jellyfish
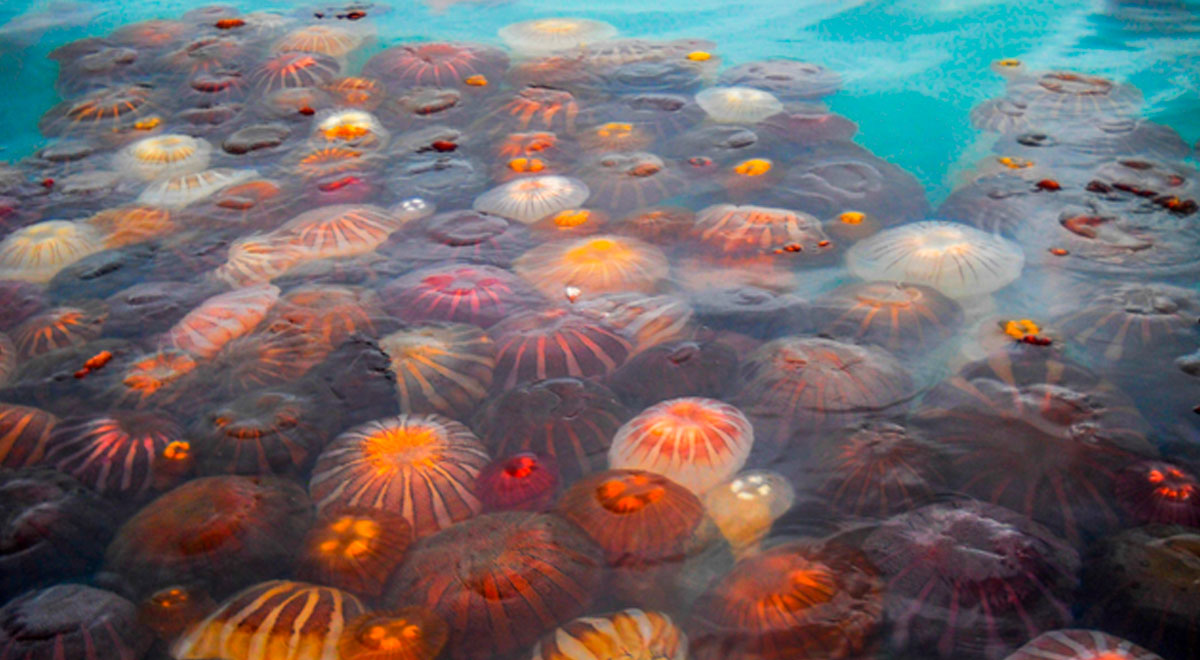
(37, 252)
(344, 230)
(696, 442)
(124, 454)
(169, 611)
(57, 328)
(221, 319)
(752, 231)
(409, 633)
(745, 505)
(292, 70)
(424, 467)
(630, 633)
(594, 265)
(158, 376)
(327, 160)
(443, 368)
(1078, 644)
(127, 225)
(357, 92)
(332, 40)
(355, 549)
(554, 343)
(24, 433)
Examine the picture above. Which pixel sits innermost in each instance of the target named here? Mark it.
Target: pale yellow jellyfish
(164, 156)
(745, 506)
(176, 192)
(548, 35)
(37, 252)
(738, 105)
(533, 198)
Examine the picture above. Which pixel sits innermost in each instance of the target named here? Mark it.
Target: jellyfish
(676, 368)
(593, 265)
(1158, 492)
(554, 343)
(350, 128)
(171, 610)
(130, 225)
(1066, 95)
(647, 320)
(177, 192)
(797, 599)
(631, 633)
(24, 434)
(297, 103)
(438, 64)
(661, 115)
(221, 319)
(276, 619)
(108, 109)
(696, 442)
(743, 232)
(355, 549)
(20, 300)
(341, 230)
(500, 580)
(745, 505)
(443, 368)
(37, 252)
(1080, 644)
(459, 293)
(533, 198)
(786, 79)
(806, 124)
(421, 466)
(277, 353)
(615, 136)
(738, 105)
(1126, 321)
(357, 92)
(544, 36)
(624, 181)
(1002, 115)
(256, 259)
(165, 155)
(522, 481)
(222, 532)
(330, 40)
(158, 377)
(209, 89)
(72, 621)
(293, 70)
(533, 108)
(903, 318)
(57, 328)
(409, 633)
(955, 571)
(956, 260)
(155, 33)
(567, 420)
(753, 310)
(120, 454)
(210, 52)
(329, 313)
(269, 431)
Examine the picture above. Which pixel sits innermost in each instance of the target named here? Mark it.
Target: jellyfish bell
(358, 92)
(756, 311)
(129, 455)
(1158, 492)
(443, 368)
(108, 109)
(350, 128)
(655, 115)
(440, 178)
(679, 75)
(677, 368)
(181, 190)
(1077, 644)
(411, 633)
(293, 70)
(522, 481)
(59, 327)
(548, 35)
(658, 225)
(1129, 322)
(37, 252)
(738, 105)
(221, 319)
(533, 198)
(335, 41)
(275, 353)
(748, 232)
(595, 265)
(903, 318)
(72, 620)
(343, 230)
(267, 431)
(1069, 95)
(458, 65)
(164, 156)
(554, 343)
(628, 633)
(1003, 115)
(624, 181)
(786, 79)
(460, 293)
(746, 504)
(355, 549)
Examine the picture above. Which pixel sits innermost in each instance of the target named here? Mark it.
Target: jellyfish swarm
(443, 368)
(271, 431)
(294, 70)
(738, 105)
(548, 35)
(622, 181)
(796, 386)
(164, 155)
(422, 467)
(594, 265)
(438, 64)
(500, 580)
(72, 621)
(121, 454)
(786, 79)
(520, 482)
(745, 506)
(459, 293)
(903, 318)
(799, 599)
(221, 532)
(1066, 434)
(966, 578)
(278, 619)
(532, 198)
(57, 328)
(630, 633)
(568, 420)
(555, 343)
(37, 252)
(221, 319)
(1158, 492)
(1078, 644)
(1129, 322)
(746, 232)
(409, 633)
(355, 549)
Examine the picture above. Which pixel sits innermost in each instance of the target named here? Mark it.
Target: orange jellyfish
(24, 434)
(164, 155)
(630, 633)
(106, 109)
(409, 633)
(543, 36)
(57, 328)
(221, 319)
(270, 431)
(423, 467)
(903, 318)
(355, 549)
(122, 454)
(181, 190)
(292, 70)
(443, 368)
(594, 265)
(439, 64)
(535, 108)
(742, 232)
(127, 225)
(352, 128)
(462, 293)
(554, 343)
(647, 320)
(1078, 644)
(257, 259)
(328, 312)
(357, 92)
(343, 230)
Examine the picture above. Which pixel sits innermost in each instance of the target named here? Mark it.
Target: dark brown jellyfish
(409, 633)
(1065, 435)
(115, 108)
(795, 386)
(677, 368)
(755, 311)
(1129, 322)
(968, 579)
(270, 431)
(421, 466)
(432, 107)
(593, 265)
(53, 528)
(1141, 585)
(519, 482)
(443, 368)
(355, 549)
(799, 599)
(24, 434)
(1159, 492)
(1089, 143)
(461, 293)
(554, 343)
(786, 79)
(624, 181)
(291, 70)
(439, 64)
(500, 580)
(903, 318)
(1080, 645)
(217, 532)
(1066, 95)
(567, 420)
(129, 455)
(72, 621)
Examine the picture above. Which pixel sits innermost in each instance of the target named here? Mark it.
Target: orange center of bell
(753, 167)
(389, 634)
(381, 449)
(629, 494)
(349, 537)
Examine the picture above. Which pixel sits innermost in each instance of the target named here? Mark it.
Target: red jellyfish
(969, 579)
(501, 580)
(554, 343)
(355, 549)
(1159, 492)
(521, 482)
(462, 293)
(72, 621)
(801, 599)
(121, 454)
(1078, 644)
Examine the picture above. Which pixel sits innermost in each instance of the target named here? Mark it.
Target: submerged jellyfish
(628, 180)
(547, 35)
(278, 619)
(332, 40)
(170, 610)
(221, 319)
(438, 64)
(902, 318)
(751, 231)
(798, 599)
(72, 621)
(554, 343)
(293, 70)
(521, 482)
(500, 580)
(696, 442)
(166, 155)
(567, 420)
(786, 79)
(182, 190)
(37, 252)
(738, 105)
(341, 230)
(409, 633)
(1159, 492)
(745, 505)
(679, 368)
(256, 259)
(222, 532)
(1002, 115)
(329, 313)
(20, 300)
(277, 353)
(956, 260)
(57, 328)
(272, 431)
(130, 225)
(533, 198)
(355, 549)
(967, 579)
(1080, 644)
(630, 633)
(121, 454)
(156, 378)
(593, 265)
(647, 320)
(1127, 322)
(423, 467)
(443, 368)
(460, 293)
(1066, 95)
(108, 109)
(8, 359)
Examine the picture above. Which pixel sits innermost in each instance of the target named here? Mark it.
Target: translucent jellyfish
(157, 377)
(443, 368)
(72, 620)
(57, 328)
(127, 455)
(461, 293)
(342, 230)
(350, 128)
(752, 310)
(107, 109)
(278, 619)
(292, 70)
(37, 252)
(647, 320)
(1080, 644)
(593, 265)
(696, 442)
(276, 353)
(965, 578)
(547, 35)
(1158, 492)
(745, 505)
(798, 599)
(501, 580)
(170, 610)
(903, 318)
(738, 105)
(520, 482)
(554, 343)
(752, 231)
(533, 108)
(1002, 115)
(629, 633)
(1067, 95)
(166, 155)
(155, 33)
(1128, 322)
(176, 192)
(660, 115)
(439, 64)
(624, 181)
(679, 75)
(409, 633)
(678, 368)
(786, 79)
(331, 40)
(323, 161)
(221, 319)
(129, 225)
(271, 431)
(615, 136)
(421, 466)
(567, 420)
(355, 549)
(956, 260)
(257, 259)
(533, 198)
